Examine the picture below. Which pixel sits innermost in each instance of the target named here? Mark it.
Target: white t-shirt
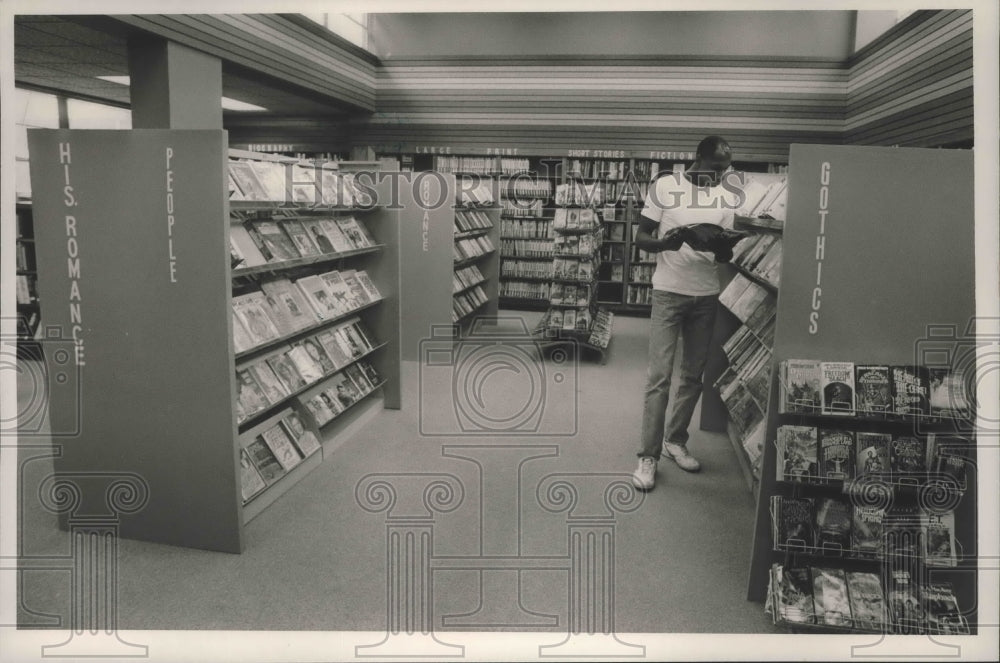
(674, 201)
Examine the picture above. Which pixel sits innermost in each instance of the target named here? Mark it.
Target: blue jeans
(674, 315)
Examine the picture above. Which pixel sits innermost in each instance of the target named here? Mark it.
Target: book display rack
(279, 279)
(738, 373)
(573, 315)
(526, 236)
(28, 305)
(866, 511)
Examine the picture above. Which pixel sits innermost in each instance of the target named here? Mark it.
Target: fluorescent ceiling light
(227, 103)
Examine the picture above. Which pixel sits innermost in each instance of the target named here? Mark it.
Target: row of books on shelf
(639, 294)
(615, 232)
(444, 163)
(760, 254)
(872, 391)
(298, 182)
(473, 193)
(522, 208)
(834, 526)
(809, 454)
(612, 272)
(641, 273)
(612, 252)
(746, 342)
(523, 187)
(26, 289)
(597, 168)
(282, 307)
(752, 365)
(24, 257)
(765, 201)
(342, 390)
(571, 269)
(467, 302)
(600, 330)
(269, 381)
(567, 294)
(471, 219)
(527, 248)
(514, 165)
(466, 277)
(575, 218)
(527, 229)
(743, 298)
(276, 451)
(577, 245)
(472, 247)
(741, 395)
(276, 239)
(857, 600)
(514, 289)
(534, 269)
(578, 193)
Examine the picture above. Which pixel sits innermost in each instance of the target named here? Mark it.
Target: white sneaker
(645, 476)
(680, 455)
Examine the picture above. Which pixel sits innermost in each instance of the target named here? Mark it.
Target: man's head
(712, 159)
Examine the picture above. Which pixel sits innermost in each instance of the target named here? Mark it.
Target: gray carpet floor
(674, 560)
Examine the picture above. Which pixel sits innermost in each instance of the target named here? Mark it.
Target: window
(352, 27)
(88, 115)
(32, 110)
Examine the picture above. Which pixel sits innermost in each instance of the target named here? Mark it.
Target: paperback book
(795, 595)
(335, 233)
(797, 453)
(285, 371)
(279, 444)
(319, 410)
(795, 517)
(908, 455)
(939, 539)
(874, 391)
(301, 238)
(866, 530)
(343, 389)
(307, 367)
(272, 388)
(314, 228)
(250, 479)
(303, 438)
(251, 397)
(830, 595)
(868, 610)
(252, 313)
(950, 455)
(943, 614)
(277, 242)
(265, 462)
(317, 354)
(833, 524)
(873, 453)
(290, 300)
(800, 382)
(838, 387)
(910, 390)
(836, 454)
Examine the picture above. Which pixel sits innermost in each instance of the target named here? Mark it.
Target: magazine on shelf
(319, 356)
(320, 411)
(277, 242)
(358, 293)
(244, 243)
(281, 446)
(272, 388)
(252, 313)
(250, 396)
(301, 238)
(796, 522)
(314, 228)
(343, 389)
(341, 295)
(265, 462)
(307, 367)
(368, 285)
(302, 437)
(369, 371)
(352, 229)
(291, 302)
(319, 298)
(333, 347)
(950, 455)
(250, 479)
(284, 369)
(359, 379)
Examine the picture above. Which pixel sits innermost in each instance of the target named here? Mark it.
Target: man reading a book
(684, 222)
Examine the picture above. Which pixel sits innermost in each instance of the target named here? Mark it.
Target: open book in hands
(704, 237)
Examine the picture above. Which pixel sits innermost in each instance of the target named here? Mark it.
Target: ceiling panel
(58, 54)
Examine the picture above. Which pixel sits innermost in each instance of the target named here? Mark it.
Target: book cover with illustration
(795, 594)
(314, 348)
(371, 374)
(868, 609)
(273, 389)
(296, 309)
(314, 228)
(940, 548)
(873, 453)
(344, 389)
(874, 391)
(800, 382)
(837, 387)
(352, 229)
(344, 300)
(265, 462)
(866, 530)
(797, 453)
(303, 241)
(833, 523)
(333, 348)
(277, 242)
(950, 456)
(369, 286)
(285, 370)
(251, 310)
(830, 595)
(314, 291)
(948, 393)
(318, 409)
(308, 368)
(943, 614)
(836, 454)
(250, 479)
(302, 437)
(908, 455)
(281, 446)
(358, 378)
(338, 239)
(910, 385)
(796, 517)
(250, 396)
